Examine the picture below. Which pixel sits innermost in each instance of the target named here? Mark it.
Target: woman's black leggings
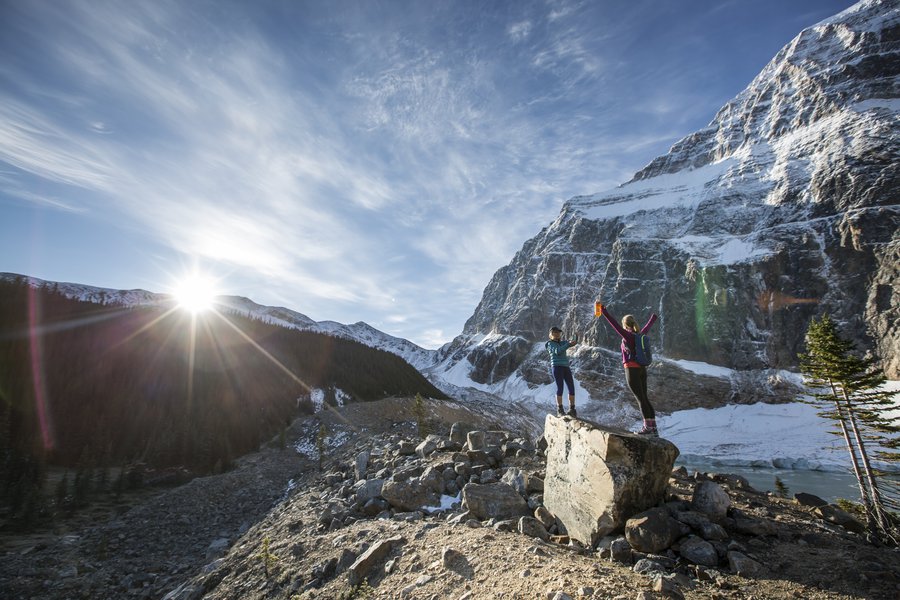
(637, 381)
(560, 374)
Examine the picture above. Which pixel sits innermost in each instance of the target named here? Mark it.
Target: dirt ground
(268, 507)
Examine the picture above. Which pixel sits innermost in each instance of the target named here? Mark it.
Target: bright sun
(195, 293)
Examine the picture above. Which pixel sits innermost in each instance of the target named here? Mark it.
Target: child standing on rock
(635, 373)
(559, 363)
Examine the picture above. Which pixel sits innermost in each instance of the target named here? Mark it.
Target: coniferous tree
(62, 490)
(851, 388)
(119, 485)
(421, 417)
(781, 489)
(321, 445)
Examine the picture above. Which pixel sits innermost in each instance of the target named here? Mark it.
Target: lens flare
(42, 403)
(195, 293)
(772, 300)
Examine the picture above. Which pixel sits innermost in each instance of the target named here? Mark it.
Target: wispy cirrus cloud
(519, 31)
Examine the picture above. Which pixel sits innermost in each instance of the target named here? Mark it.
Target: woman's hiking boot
(573, 413)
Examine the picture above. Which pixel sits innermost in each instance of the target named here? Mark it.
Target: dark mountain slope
(159, 385)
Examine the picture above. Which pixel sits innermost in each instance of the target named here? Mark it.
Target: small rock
(346, 559)
(809, 500)
(390, 565)
(458, 433)
(699, 551)
(668, 587)
(533, 528)
(545, 517)
(509, 525)
(454, 560)
(713, 532)
(653, 530)
(711, 499)
(406, 448)
(475, 440)
(460, 518)
(535, 485)
(515, 478)
(646, 566)
(735, 481)
(362, 463)
(757, 527)
(838, 516)
(428, 445)
(620, 551)
(743, 565)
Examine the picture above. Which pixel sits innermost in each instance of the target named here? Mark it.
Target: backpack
(642, 353)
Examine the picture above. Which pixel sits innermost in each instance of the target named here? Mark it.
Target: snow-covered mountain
(364, 333)
(784, 207)
(97, 295)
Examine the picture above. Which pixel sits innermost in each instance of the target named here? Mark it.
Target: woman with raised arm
(559, 365)
(635, 373)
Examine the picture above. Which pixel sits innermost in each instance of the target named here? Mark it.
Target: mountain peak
(847, 59)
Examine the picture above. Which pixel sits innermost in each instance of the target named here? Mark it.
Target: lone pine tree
(849, 389)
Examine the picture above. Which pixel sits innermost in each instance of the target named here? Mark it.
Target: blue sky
(366, 160)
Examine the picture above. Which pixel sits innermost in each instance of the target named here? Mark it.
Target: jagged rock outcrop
(784, 207)
(597, 479)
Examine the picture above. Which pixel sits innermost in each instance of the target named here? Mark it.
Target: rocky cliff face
(784, 207)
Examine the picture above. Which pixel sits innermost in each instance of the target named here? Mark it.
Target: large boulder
(363, 565)
(653, 530)
(597, 478)
(493, 501)
(834, 514)
(711, 499)
(409, 495)
(368, 489)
